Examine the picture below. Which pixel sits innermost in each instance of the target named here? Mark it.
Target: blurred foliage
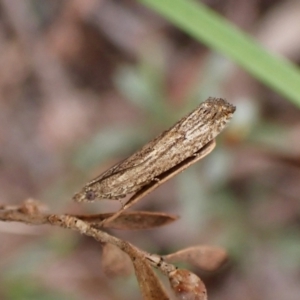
(113, 76)
(208, 27)
(27, 289)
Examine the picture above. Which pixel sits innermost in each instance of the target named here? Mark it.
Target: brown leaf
(115, 262)
(187, 286)
(131, 220)
(207, 258)
(150, 285)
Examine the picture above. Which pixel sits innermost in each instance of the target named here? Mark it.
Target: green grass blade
(216, 32)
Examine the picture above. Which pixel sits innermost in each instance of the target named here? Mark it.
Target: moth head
(87, 194)
(218, 109)
(228, 109)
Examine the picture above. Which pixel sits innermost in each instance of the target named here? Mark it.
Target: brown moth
(159, 180)
(166, 151)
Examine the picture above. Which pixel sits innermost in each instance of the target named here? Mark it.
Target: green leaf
(217, 33)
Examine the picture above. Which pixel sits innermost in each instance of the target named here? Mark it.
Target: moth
(191, 136)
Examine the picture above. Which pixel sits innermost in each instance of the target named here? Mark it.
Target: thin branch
(30, 212)
(184, 284)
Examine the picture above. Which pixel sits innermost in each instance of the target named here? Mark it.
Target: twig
(30, 213)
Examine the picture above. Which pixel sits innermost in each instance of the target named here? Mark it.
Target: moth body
(161, 154)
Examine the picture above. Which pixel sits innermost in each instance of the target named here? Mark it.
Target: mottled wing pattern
(167, 150)
(140, 157)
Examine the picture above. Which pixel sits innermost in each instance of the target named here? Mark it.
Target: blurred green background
(83, 84)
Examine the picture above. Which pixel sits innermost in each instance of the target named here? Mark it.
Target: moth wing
(159, 145)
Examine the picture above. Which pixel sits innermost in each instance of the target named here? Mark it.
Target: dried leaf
(130, 220)
(207, 258)
(187, 286)
(115, 262)
(150, 285)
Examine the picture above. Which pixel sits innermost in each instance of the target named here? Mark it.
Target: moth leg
(133, 199)
(121, 202)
